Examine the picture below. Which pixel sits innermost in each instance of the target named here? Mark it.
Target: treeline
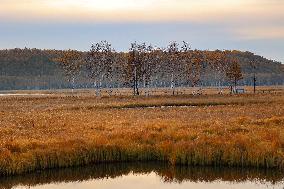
(143, 66)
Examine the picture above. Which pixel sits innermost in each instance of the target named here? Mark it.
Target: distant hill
(268, 72)
(36, 69)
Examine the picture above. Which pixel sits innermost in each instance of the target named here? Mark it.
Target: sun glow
(99, 5)
(135, 10)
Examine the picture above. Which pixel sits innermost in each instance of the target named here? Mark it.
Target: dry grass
(151, 91)
(64, 131)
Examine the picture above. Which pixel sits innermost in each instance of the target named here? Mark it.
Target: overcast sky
(253, 25)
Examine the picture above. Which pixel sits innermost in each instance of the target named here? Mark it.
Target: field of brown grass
(151, 91)
(62, 130)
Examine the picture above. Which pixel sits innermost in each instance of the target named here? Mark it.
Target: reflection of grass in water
(166, 172)
(42, 133)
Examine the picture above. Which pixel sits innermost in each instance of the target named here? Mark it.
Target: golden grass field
(63, 130)
(151, 91)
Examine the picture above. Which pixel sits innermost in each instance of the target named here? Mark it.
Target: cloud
(137, 10)
(223, 24)
(260, 32)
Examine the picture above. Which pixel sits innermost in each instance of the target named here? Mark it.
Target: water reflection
(166, 174)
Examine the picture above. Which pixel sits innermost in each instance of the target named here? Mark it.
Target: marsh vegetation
(63, 130)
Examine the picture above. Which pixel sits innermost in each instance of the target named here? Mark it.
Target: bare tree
(252, 64)
(172, 59)
(156, 73)
(99, 64)
(139, 66)
(71, 61)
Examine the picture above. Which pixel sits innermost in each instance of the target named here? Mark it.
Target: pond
(146, 176)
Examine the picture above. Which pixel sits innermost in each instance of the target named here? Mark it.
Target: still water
(147, 176)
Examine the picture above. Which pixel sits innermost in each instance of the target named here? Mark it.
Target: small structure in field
(239, 91)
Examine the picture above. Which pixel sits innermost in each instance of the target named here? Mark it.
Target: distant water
(147, 176)
(23, 94)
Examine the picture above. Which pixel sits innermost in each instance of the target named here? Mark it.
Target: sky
(247, 25)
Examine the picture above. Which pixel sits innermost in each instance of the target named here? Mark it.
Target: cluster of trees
(147, 66)
(174, 66)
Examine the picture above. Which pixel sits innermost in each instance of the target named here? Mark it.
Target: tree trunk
(97, 88)
(73, 84)
(137, 89)
(110, 87)
(135, 82)
(134, 86)
(254, 83)
(173, 84)
(235, 87)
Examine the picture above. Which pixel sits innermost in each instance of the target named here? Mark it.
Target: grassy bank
(63, 131)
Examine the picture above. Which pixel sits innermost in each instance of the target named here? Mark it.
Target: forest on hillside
(143, 66)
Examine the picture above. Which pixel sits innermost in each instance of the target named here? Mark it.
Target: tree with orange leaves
(234, 73)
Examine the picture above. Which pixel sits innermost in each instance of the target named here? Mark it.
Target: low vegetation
(46, 132)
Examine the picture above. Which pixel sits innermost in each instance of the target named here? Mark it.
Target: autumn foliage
(143, 66)
(36, 69)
